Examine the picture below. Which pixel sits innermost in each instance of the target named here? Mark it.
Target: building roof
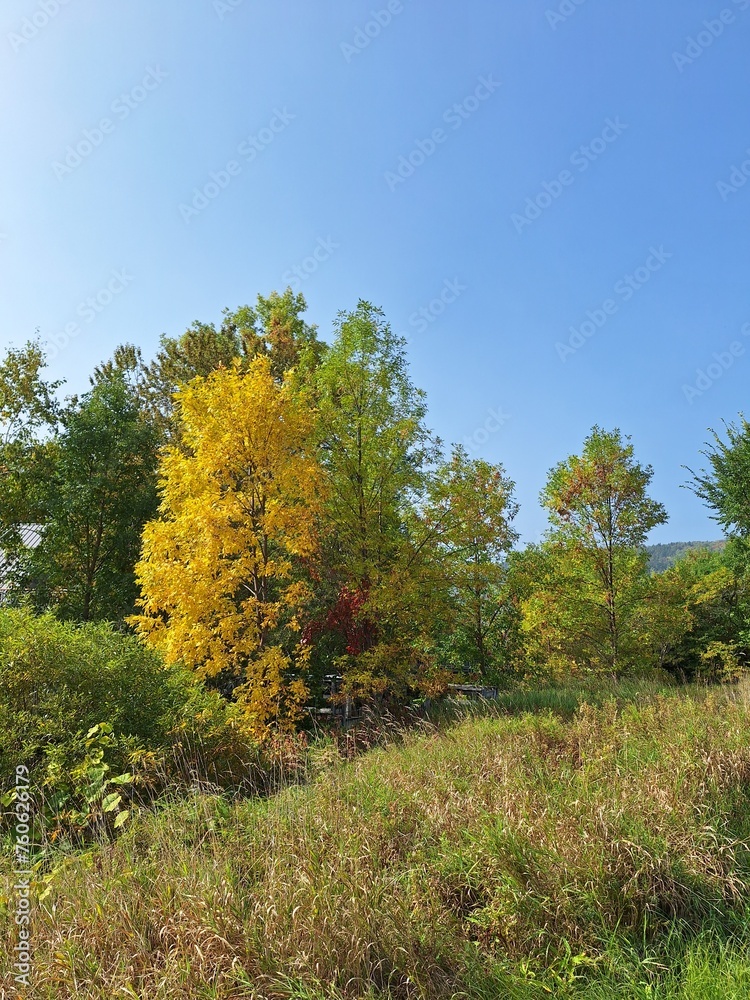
(30, 535)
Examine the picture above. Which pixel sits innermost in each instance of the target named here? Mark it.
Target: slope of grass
(596, 855)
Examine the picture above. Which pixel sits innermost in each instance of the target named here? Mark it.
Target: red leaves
(346, 619)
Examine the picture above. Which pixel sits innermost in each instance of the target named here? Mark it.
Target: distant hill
(661, 557)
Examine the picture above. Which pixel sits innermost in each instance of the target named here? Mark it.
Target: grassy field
(546, 847)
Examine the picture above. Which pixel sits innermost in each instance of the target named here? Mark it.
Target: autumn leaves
(240, 499)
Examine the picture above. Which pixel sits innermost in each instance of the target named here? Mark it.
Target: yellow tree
(218, 572)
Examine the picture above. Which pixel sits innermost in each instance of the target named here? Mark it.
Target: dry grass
(500, 854)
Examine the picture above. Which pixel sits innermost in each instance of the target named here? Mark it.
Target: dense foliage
(240, 493)
(278, 515)
(103, 725)
(212, 549)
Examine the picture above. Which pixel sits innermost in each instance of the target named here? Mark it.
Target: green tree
(600, 516)
(127, 361)
(100, 492)
(470, 509)
(726, 487)
(376, 451)
(718, 645)
(29, 413)
(274, 328)
(560, 606)
(666, 617)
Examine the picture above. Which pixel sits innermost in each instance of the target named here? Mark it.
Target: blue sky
(541, 196)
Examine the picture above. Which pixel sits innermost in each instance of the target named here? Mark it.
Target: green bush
(59, 680)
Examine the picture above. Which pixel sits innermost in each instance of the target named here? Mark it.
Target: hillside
(663, 556)
(595, 854)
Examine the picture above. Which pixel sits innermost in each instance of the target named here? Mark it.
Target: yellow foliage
(713, 586)
(723, 660)
(240, 497)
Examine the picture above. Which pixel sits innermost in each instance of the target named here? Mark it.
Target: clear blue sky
(306, 112)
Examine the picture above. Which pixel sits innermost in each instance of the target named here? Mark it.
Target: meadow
(567, 842)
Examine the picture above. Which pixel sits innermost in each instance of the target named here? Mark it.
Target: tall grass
(595, 852)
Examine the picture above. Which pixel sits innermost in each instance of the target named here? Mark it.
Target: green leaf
(111, 802)
(121, 779)
(121, 818)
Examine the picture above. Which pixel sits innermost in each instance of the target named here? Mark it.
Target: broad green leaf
(121, 779)
(111, 802)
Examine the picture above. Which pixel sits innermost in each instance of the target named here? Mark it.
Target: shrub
(59, 680)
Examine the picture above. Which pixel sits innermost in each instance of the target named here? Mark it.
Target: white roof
(30, 535)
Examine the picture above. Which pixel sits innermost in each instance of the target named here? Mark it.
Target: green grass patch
(595, 852)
